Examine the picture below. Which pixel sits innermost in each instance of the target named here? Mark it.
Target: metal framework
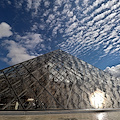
(57, 80)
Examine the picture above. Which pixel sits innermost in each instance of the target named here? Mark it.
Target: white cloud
(42, 46)
(54, 32)
(30, 40)
(42, 26)
(85, 2)
(66, 9)
(46, 4)
(46, 12)
(102, 15)
(51, 17)
(99, 17)
(29, 4)
(58, 2)
(91, 32)
(112, 34)
(114, 70)
(96, 3)
(105, 28)
(70, 13)
(36, 5)
(112, 15)
(115, 6)
(108, 48)
(71, 27)
(33, 5)
(115, 50)
(9, 2)
(5, 30)
(18, 4)
(117, 28)
(76, 2)
(16, 53)
(109, 4)
(34, 27)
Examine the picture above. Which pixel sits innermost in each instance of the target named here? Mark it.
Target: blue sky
(87, 29)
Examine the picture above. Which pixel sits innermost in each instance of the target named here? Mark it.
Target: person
(16, 105)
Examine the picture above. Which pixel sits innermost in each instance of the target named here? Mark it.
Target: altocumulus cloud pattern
(87, 29)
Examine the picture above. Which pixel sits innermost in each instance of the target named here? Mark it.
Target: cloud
(9, 2)
(18, 4)
(115, 6)
(85, 2)
(114, 70)
(108, 48)
(54, 32)
(58, 2)
(5, 30)
(102, 15)
(30, 40)
(46, 4)
(33, 5)
(42, 26)
(91, 32)
(104, 6)
(16, 53)
(29, 4)
(34, 27)
(70, 13)
(51, 17)
(71, 27)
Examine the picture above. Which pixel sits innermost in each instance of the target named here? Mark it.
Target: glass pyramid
(55, 81)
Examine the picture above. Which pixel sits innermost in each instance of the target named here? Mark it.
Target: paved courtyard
(109, 115)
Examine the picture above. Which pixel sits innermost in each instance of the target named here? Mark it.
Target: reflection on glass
(30, 99)
(102, 116)
(16, 106)
(97, 99)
